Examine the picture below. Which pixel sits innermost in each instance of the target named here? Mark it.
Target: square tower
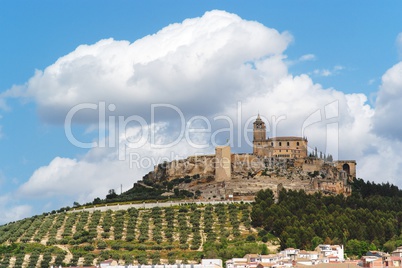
(223, 165)
(259, 130)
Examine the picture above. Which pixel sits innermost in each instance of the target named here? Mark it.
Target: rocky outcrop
(249, 174)
(193, 165)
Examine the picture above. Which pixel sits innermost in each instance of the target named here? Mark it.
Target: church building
(281, 147)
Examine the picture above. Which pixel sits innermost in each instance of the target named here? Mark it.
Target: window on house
(297, 144)
(287, 143)
(280, 143)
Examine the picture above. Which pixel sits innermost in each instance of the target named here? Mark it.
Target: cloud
(384, 163)
(106, 168)
(371, 81)
(303, 58)
(307, 57)
(3, 105)
(323, 72)
(190, 64)
(10, 211)
(388, 109)
(328, 72)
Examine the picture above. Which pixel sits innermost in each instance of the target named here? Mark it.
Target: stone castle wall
(349, 166)
(276, 163)
(242, 175)
(223, 159)
(203, 165)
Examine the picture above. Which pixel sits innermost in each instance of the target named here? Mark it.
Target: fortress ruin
(276, 163)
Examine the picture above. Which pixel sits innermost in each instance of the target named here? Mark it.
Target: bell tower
(259, 130)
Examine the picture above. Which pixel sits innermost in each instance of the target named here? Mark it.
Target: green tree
(355, 247)
(111, 194)
(264, 249)
(266, 196)
(290, 243)
(316, 241)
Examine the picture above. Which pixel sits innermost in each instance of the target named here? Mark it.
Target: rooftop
(288, 138)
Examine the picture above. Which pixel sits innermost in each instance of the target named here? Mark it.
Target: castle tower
(259, 136)
(259, 129)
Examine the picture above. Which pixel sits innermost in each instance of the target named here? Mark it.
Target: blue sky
(339, 48)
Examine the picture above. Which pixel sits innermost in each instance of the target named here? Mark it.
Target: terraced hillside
(145, 236)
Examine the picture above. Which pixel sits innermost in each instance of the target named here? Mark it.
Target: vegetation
(371, 218)
(145, 236)
(148, 190)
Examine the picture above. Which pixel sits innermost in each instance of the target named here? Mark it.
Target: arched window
(346, 168)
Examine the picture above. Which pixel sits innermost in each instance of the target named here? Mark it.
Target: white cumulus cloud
(10, 211)
(388, 107)
(191, 64)
(102, 169)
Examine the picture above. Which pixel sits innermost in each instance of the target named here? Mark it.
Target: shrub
(250, 238)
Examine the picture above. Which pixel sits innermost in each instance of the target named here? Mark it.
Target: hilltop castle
(276, 163)
(290, 148)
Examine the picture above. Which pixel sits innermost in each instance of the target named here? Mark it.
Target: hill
(157, 235)
(370, 218)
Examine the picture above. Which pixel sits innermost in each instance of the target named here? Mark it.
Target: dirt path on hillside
(69, 255)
